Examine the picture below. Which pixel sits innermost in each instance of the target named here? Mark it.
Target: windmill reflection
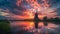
(36, 20)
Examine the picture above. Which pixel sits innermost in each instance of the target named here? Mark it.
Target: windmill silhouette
(36, 19)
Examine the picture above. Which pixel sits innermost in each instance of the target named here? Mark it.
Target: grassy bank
(4, 27)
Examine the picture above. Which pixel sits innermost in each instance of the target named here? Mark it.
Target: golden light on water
(31, 25)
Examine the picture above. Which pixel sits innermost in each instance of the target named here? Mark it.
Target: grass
(4, 26)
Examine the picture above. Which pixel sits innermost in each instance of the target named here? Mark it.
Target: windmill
(36, 19)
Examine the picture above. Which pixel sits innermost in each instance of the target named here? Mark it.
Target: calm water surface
(27, 27)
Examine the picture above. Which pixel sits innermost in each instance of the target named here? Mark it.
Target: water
(27, 27)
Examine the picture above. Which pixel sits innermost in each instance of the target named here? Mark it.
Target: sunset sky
(25, 9)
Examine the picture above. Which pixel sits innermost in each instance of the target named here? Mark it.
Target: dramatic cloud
(25, 9)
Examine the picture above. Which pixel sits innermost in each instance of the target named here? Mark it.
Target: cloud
(21, 8)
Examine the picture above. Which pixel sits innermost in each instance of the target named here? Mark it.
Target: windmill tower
(36, 20)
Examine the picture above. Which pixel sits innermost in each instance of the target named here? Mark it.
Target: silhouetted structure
(36, 20)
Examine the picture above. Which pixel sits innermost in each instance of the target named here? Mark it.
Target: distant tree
(56, 18)
(45, 18)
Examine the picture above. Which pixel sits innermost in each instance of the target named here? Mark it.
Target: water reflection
(26, 27)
